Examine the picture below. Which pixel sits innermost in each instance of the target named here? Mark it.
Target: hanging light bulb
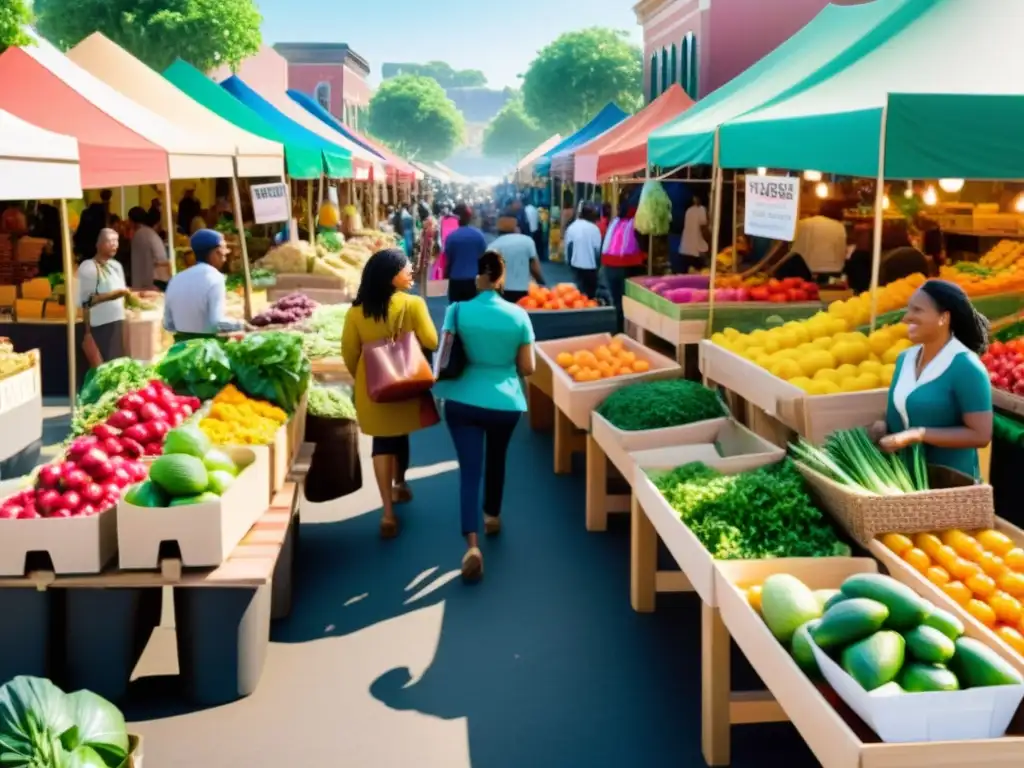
(909, 191)
(821, 190)
(951, 185)
(812, 175)
(885, 202)
(1018, 204)
(931, 197)
(762, 171)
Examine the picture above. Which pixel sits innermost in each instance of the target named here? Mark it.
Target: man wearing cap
(195, 301)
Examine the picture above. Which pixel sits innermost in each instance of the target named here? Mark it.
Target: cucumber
(928, 645)
(923, 678)
(801, 650)
(979, 666)
(825, 596)
(836, 599)
(786, 605)
(876, 660)
(889, 689)
(849, 621)
(906, 608)
(945, 622)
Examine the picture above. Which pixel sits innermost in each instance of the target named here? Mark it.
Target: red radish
(112, 446)
(193, 403)
(112, 489)
(92, 493)
(138, 433)
(48, 501)
(105, 431)
(81, 445)
(150, 393)
(101, 472)
(152, 412)
(75, 480)
(117, 461)
(177, 418)
(92, 459)
(10, 512)
(131, 402)
(71, 500)
(86, 510)
(62, 513)
(186, 410)
(160, 386)
(131, 448)
(123, 419)
(122, 477)
(49, 476)
(29, 514)
(139, 472)
(157, 430)
(154, 449)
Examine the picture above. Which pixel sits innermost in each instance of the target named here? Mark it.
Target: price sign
(270, 203)
(772, 207)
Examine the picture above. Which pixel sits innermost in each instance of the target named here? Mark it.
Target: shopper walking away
(101, 294)
(482, 406)
(621, 258)
(150, 267)
(693, 246)
(521, 262)
(583, 250)
(463, 250)
(428, 241)
(196, 300)
(382, 309)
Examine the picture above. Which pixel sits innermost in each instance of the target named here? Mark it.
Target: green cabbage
(654, 213)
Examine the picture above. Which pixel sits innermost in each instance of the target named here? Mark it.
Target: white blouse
(94, 279)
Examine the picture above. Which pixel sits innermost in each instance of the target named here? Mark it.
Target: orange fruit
(591, 304)
(957, 591)
(928, 543)
(917, 559)
(565, 359)
(573, 369)
(1007, 607)
(1012, 583)
(603, 353)
(754, 597)
(615, 346)
(625, 372)
(1012, 638)
(995, 542)
(946, 556)
(1014, 559)
(641, 366)
(992, 565)
(967, 547)
(937, 575)
(982, 612)
(582, 375)
(981, 585)
(964, 569)
(627, 357)
(897, 542)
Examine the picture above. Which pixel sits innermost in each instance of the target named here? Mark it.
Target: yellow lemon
(869, 381)
(803, 382)
(823, 387)
(880, 340)
(893, 352)
(857, 336)
(888, 369)
(731, 333)
(898, 331)
(785, 369)
(828, 374)
(852, 384)
(798, 330)
(822, 342)
(720, 339)
(870, 366)
(838, 308)
(739, 343)
(752, 353)
(819, 327)
(836, 325)
(757, 337)
(771, 344)
(847, 371)
(763, 360)
(813, 362)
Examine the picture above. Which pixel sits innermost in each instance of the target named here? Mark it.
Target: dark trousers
(682, 263)
(461, 290)
(586, 281)
(397, 447)
(481, 437)
(541, 243)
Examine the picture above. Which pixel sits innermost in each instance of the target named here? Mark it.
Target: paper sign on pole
(270, 203)
(772, 207)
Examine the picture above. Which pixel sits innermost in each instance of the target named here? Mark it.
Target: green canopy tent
(303, 158)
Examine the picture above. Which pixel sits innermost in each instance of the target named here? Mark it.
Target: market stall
(525, 173)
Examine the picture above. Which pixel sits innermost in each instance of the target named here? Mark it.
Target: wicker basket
(955, 501)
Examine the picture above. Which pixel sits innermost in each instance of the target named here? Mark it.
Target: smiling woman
(940, 395)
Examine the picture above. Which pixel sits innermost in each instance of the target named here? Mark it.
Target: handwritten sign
(270, 203)
(772, 207)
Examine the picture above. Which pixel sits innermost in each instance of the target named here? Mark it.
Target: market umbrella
(610, 116)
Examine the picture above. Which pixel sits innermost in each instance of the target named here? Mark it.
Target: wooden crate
(646, 322)
(814, 417)
(75, 545)
(834, 734)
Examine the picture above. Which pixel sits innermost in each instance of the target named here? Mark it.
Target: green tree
(413, 115)
(205, 33)
(576, 75)
(442, 71)
(511, 134)
(15, 15)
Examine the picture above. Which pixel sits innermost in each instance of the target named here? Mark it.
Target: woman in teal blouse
(483, 405)
(940, 394)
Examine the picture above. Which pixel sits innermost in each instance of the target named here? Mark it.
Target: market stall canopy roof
(365, 164)
(337, 159)
(604, 120)
(119, 69)
(431, 171)
(389, 166)
(110, 153)
(957, 115)
(524, 168)
(302, 159)
(453, 176)
(690, 140)
(622, 151)
(190, 154)
(36, 164)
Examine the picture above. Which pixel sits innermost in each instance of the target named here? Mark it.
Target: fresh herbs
(764, 513)
(660, 404)
(271, 366)
(326, 324)
(330, 403)
(121, 375)
(850, 458)
(199, 367)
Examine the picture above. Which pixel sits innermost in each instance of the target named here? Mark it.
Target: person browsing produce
(940, 396)
(195, 301)
(101, 293)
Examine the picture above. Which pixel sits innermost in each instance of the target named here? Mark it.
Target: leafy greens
(330, 403)
(271, 366)
(198, 367)
(661, 404)
(121, 375)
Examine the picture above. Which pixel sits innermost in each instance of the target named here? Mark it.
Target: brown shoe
(492, 525)
(389, 527)
(473, 565)
(401, 494)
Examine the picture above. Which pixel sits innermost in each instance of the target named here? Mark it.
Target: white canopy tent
(36, 164)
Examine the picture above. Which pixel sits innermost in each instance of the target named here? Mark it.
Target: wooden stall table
(646, 324)
(331, 369)
(222, 615)
(539, 394)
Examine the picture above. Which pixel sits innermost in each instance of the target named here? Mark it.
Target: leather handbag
(396, 368)
(452, 356)
(89, 347)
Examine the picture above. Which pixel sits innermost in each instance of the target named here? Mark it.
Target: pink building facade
(703, 44)
(331, 73)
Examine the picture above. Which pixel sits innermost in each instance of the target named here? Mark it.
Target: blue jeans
(481, 437)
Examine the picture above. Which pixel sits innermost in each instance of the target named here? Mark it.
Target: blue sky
(465, 33)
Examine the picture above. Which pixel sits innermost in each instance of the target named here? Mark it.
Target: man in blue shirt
(463, 250)
(195, 300)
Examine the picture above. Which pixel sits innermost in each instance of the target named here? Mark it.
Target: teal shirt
(941, 402)
(492, 330)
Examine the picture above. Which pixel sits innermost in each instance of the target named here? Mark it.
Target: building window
(654, 77)
(674, 64)
(323, 95)
(684, 62)
(664, 71)
(693, 87)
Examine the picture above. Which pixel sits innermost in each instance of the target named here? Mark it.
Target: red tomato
(988, 359)
(997, 348)
(797, 294)
(760, 293)
(778, 298)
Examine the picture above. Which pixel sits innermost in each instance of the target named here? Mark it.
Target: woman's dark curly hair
(966, 324)
(376, 287)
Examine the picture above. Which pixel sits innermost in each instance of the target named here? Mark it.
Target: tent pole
(650, 238)
(735, 205)
(236, 200)
(311, 223)
(169, 218)
(876, 246)
(716, 226)
(124, 205)
(293, 224)
(323, 191)
(70, 302)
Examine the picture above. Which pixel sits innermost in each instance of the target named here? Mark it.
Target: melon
(218, 461)
(220, 481)
(187, 440)
(179, 475)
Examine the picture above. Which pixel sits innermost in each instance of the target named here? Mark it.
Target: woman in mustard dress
(940, 394)
(382, 309)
